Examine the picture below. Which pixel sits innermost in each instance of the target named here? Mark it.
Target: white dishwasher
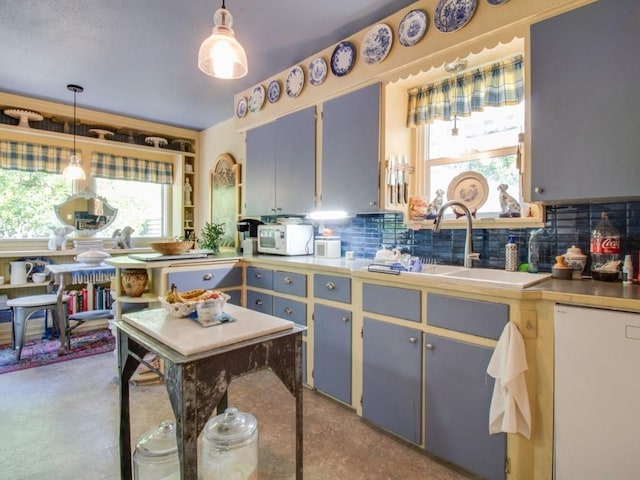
(596, 394)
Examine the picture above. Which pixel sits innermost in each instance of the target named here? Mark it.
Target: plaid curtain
(493, 86)
(117, 167)
(33, 157)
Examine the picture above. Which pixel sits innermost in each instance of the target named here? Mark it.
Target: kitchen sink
(440, 269)
(497, 277)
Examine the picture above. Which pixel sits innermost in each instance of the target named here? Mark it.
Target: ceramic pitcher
(20, 271)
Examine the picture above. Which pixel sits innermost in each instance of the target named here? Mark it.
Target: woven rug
(43, 352)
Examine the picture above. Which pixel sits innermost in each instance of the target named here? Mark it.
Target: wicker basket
(171, 248)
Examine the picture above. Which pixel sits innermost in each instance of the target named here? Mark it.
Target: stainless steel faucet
(469, 257)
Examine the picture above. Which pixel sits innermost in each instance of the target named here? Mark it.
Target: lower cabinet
(260, 302)
(332, 351)
(457, 394)
(392, 378)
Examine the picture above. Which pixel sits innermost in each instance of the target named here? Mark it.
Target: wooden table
(197, 384)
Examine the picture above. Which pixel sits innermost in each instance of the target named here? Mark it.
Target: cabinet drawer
(290, 310)
(331, 287)
(235, 297)
(260, 277)
(291, 283)
(260, 302)
(393, 301)
(477, 317)
(208, 278)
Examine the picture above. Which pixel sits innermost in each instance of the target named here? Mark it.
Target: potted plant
(211, 235)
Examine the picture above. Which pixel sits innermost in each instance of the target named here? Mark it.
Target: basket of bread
(182, 304)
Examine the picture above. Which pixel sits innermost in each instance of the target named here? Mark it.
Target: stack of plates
(88, 244)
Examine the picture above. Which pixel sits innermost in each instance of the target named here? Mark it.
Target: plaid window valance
(33, 157)
(496, 85)
(117, 167)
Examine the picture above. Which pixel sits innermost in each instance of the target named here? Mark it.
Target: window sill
(483, 223)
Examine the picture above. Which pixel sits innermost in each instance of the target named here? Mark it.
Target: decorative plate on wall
(412, 27)
(317, 71)
(295, 81)
(377, 44)
(469, 188)
(496, 2)
(451, 15)
(256, 99)
(273, 92)
(241, 107)
(343, 58)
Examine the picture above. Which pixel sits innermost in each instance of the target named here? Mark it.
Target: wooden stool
(24, 307)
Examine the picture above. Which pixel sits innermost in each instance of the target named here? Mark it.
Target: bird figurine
(510, 206)
(435, 205)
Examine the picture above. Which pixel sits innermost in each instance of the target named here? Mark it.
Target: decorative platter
(343, 58)
(317, 71)
(256, 99)
(413, 27)
(295, 81)
(496, 2)
(377, 44)
(23, 116)
(273, 91)
(241, 107)
(157, 142)
(451, 15)
(470, 188)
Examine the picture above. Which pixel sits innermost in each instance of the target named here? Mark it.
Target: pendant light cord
(74, 121)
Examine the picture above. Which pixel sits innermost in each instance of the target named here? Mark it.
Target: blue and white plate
(273, 91)
(343, 58)
(451, 15)
(496, 2)
(412, 27)
(377, 44)
(295, 81)
(317, 71)
(256, 99)
(241, 107)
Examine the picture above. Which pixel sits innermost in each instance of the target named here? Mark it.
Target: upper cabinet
(280, 174)
(351, 151)
(585, 103)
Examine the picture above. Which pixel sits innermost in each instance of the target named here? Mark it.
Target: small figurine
(187, 192)
(510, 206)
(435, 205)
(122, 238)
(59, 239)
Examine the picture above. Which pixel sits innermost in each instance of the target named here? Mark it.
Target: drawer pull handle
(330, 286)
(207, 276)
(259, 302)
(345, 319)
(258, 276)
(430, 346)
(288, 280)
(288, 310)
(413, 340)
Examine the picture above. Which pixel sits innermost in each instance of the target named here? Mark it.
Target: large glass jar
(230, 447)
(156, 454)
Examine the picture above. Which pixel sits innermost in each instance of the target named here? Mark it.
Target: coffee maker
(249, 229)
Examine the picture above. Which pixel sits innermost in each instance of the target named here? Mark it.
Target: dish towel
(509, 411)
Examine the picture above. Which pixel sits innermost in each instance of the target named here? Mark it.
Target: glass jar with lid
(156, 454)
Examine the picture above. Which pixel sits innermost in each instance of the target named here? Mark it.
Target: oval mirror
(86, 212)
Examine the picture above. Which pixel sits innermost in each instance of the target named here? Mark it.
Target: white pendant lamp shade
(74, 170)
(221, 55)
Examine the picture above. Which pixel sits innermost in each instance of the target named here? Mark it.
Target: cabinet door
(457, 398)
(260, 171)
(260, 302)
(332, 351)
(584, 103)
(351, 151)
(391, 378)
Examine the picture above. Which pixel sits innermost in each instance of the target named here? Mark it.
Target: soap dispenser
(511, 255)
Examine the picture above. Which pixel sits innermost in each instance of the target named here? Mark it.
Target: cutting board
(188, 337)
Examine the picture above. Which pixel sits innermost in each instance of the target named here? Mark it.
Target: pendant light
(221, 55)
(74, 170)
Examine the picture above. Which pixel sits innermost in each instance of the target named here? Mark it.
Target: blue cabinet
(457, 394)
(584, 103)
(280, 167)
(351, 151)
(332, 351)
(392, 378)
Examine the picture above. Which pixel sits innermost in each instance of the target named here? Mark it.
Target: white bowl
(92, 257)
(38, 277)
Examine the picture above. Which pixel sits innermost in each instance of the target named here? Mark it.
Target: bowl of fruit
(180, 304)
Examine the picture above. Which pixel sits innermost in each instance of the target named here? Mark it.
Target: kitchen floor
(60, 421)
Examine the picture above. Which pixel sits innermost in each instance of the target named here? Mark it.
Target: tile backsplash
(565, 225)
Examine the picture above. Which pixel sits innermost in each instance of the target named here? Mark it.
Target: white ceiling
(139, 57)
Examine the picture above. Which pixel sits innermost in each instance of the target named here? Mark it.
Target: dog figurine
(435, 205)
(510, 206)
(59, 239)
(122, 238)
